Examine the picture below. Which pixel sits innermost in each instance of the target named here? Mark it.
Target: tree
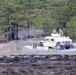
(71, 28)
(44, 14)
(69, 12)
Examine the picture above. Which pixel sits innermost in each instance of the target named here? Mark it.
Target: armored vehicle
(57, 41)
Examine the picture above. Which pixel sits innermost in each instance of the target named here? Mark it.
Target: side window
(52, 39)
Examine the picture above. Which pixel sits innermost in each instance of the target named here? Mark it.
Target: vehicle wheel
(67, 47)
(59, 47)
(62, 47)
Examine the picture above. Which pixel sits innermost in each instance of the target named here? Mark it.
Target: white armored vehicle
(57, 41)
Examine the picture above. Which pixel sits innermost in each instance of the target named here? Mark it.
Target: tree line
(42, 14)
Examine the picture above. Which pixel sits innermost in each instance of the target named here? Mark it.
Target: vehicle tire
(62, 47)
(59, 47)
(67, 47)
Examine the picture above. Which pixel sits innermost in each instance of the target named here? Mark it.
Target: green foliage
(68, 18)
(44, 14)
(69, 12)
(71, 27)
